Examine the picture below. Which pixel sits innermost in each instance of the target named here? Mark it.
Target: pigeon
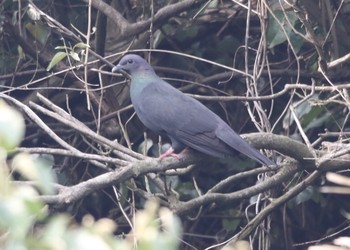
(187, 122)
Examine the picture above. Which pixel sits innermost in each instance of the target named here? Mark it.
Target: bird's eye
(130, 61)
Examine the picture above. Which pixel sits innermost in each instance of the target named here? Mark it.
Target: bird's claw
(169, 152)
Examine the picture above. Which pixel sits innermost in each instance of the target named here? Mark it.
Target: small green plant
(73, 53)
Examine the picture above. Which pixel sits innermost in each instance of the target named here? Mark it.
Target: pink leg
(170, 152)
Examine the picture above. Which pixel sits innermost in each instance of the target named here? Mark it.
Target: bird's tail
(228, 136)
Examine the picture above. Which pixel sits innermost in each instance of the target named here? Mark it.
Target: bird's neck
(141, 80)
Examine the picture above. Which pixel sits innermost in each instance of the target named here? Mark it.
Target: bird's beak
(119, 69)
(116, 69)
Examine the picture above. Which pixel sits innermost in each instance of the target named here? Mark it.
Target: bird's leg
(170, 152)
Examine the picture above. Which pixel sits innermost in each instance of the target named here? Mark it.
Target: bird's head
(131, 64)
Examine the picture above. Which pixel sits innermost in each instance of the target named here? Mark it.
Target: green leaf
(75, 56)
(304, 196)
(213, 4)
(188, 33)
(58, 57)
(231, 224)
(275, 33)
(315, 118)
(158, 38)
(21, 53)
(12, 127)
(36, 168)
(145, 146)
(81, 45)
(62, 47)
(33, 13)
(15, 216)
(306, 112)
(39, 32)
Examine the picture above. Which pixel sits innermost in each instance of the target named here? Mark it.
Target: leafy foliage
(26, 223)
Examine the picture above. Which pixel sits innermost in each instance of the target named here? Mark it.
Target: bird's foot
(169, 152)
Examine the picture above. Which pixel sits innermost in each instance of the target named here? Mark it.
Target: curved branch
(128, 30)
(284, 145)
(218, 198)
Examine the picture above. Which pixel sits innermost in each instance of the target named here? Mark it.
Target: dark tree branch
(128, 30)
(220, 199)
(67, 195)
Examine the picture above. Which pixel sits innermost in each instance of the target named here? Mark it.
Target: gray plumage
(187, 122)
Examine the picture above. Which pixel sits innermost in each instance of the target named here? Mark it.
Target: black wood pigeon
(187, 122)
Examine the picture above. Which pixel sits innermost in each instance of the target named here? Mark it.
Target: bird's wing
(222, 141)
(231, 138)
(205, 142)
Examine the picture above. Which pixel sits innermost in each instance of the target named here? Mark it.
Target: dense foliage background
(279, 68)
